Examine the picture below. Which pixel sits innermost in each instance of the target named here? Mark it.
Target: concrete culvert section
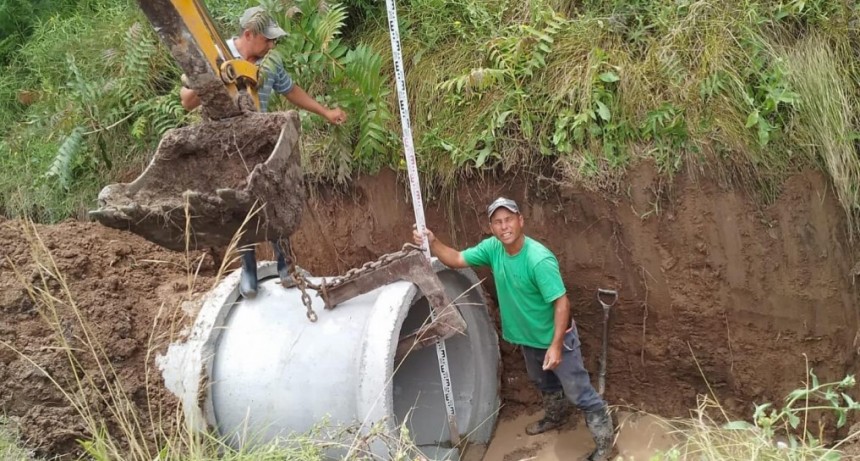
(255, 370)
(473, 361)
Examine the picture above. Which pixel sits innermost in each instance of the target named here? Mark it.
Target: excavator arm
(225, 85)
(236, 178)
(237, 173)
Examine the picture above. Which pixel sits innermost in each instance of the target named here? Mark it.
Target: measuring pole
(418, 204)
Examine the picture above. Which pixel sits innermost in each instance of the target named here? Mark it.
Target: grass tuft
(824, 128)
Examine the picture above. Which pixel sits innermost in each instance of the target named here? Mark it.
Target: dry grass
(824, 128)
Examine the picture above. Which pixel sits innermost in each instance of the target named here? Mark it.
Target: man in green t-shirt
(535, 314)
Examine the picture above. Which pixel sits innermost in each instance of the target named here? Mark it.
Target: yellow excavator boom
(220, 80)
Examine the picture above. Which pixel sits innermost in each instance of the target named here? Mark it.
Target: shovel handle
(610, 294)
(601, 294)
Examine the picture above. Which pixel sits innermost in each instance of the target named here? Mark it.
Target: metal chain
(302, 283)
(369, 266)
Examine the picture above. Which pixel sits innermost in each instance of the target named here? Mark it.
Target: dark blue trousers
(570, 375)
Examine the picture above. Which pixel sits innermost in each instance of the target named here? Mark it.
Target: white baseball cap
(503, 202)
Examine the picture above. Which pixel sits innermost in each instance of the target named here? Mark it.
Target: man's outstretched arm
(300, 98)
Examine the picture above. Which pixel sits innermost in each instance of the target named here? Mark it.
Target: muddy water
(640, 436)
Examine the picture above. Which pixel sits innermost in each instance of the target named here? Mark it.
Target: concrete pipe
(255, 370)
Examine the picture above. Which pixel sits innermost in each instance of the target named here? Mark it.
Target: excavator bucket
(238, 173)
(238, 169)
(208, 181)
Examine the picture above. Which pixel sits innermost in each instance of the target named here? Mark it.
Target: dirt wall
(707, 279)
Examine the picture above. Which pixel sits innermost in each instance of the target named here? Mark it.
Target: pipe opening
(417, 384)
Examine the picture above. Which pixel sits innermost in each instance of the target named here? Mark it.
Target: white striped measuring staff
(417, 204)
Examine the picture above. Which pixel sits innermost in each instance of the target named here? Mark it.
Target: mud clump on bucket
(210, 180)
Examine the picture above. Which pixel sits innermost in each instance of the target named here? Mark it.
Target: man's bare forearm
(449, 256)
(300, 98)
(562, 319)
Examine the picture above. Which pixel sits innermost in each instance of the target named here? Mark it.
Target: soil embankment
(129, 294)
(707, 280)
(704, 275)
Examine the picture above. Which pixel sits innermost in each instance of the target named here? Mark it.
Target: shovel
(607, 299)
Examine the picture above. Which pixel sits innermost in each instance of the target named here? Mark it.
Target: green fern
(520, 53)
(167, 113)
(138, 128)
(140, 48)
(477, 80)
(61, 167)
(330, 24)
(83, 91)
(364, 67)
(157, 115)
(316, 54)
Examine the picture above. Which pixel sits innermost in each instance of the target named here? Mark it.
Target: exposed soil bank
(746, 291)
(702, 272)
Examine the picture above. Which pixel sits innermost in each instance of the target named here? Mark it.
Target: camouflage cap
(258, 20)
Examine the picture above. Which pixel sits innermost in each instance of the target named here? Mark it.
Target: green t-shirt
(527, 285)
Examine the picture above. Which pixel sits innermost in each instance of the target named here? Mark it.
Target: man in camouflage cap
(259, 33)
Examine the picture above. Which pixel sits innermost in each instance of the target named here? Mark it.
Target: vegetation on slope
(746, 90)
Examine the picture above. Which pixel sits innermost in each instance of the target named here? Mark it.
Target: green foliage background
(749, 91)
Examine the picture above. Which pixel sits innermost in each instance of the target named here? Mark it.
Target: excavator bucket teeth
(208, 181)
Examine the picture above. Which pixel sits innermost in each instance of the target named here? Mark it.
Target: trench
(717, 291)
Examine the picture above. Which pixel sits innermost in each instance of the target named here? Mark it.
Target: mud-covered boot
(556, 413)
(248, 279)
(600, 424)
(285, 262)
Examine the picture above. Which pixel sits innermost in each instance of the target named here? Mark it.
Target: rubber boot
(556, 413)
(248, 279)
(285, 262)
(600, 424)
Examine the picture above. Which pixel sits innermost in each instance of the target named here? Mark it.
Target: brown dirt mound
(121, 285)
